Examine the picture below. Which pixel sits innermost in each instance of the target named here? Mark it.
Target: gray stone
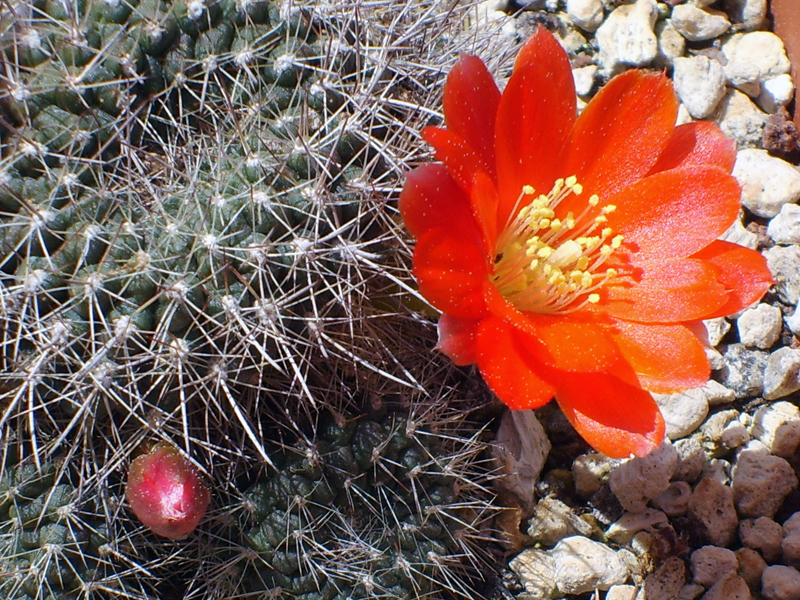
(713, 429)
(718, 469)
(744, 370)
(696, 24)
(586, 14)
(590, 471)
(782, 375)
(740, 119)
(784, 264)
(744, 76)
(671, 44)
(785, 227)
(638, 479)
(790, 545)
(734, 435)
(776, 92)
(762, 48)
(779, 582)
(691, 591)
(712, 563)
(730, 587)
(793, 320)
(621, 592)
(583, 565)
(767, 182)
(762, 534)
(675, 500)
(627, 37)
(667, 581)
(683, 412)
(777, 426)
(750, 13)
(711, 507)
(760, 483)
(699, 83)
(751, 566)
(760, 326)
(690, 460)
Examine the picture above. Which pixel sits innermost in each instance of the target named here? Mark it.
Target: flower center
(549, 265)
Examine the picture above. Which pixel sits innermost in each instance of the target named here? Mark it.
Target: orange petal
(451, 270)
(484, 207)
(458, 339)
(462, 162)
(668, 292)
(534, 118)
(666, 358)
(699, 144)
(573, 344)
(470, 104)
(614, 417)
(742, 271)
(675, 213)
(622, 132)
(508, 367)
(431, 199)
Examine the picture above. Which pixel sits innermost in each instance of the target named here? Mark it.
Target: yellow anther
(607, 210)
(616, 242)
(544, 223)
(555, 225)
(544, 252)
(594, 298)
(586, 279)
(577, 189)
(557, 278)
(576, 275)
(611, 273)
(528, 190)
(594, 200)
(600, 220)
(606, 232)
(583, 262)
(606, 251)
(571, 181)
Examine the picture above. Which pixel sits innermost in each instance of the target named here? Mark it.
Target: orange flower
(574, 257)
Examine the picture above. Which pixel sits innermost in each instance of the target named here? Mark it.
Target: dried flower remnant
(573, 257)
(166, 492)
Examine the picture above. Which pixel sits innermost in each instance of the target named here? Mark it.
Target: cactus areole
(166, 492)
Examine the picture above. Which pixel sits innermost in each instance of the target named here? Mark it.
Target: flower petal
(622, 132)
(742, 271)
(616, 418)
(699, 144)
(470, 104)
(484, 207)
(668, 292)
(675, 213)
(462, 162)
(508, 367)
(458, 339)
(431, 199)
(535, 115)
(666, 358)
(451, 271)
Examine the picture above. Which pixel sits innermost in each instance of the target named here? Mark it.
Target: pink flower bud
(166, 492)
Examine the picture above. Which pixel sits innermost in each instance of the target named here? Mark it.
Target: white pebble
(782, 375)
(627, 37)
(711, 507)
(737, 234)
(696, 24)
(730, 587)
(776, 92)
(586, 14)
(750, 13)
(536, 572)
(675, 500)
(767, 182)
(744, 76)
(683, 412)
(584, 79)
(762, 48)
(762, 534)
(583, 565)
(784, 264)
(716, 329)
(671, 44)
(627, 526)
(760, 326)
(777, 426)
(590, 471)
(784, 228)
(621, 592)
(699, 83)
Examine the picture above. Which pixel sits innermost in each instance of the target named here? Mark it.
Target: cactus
(197, 238)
